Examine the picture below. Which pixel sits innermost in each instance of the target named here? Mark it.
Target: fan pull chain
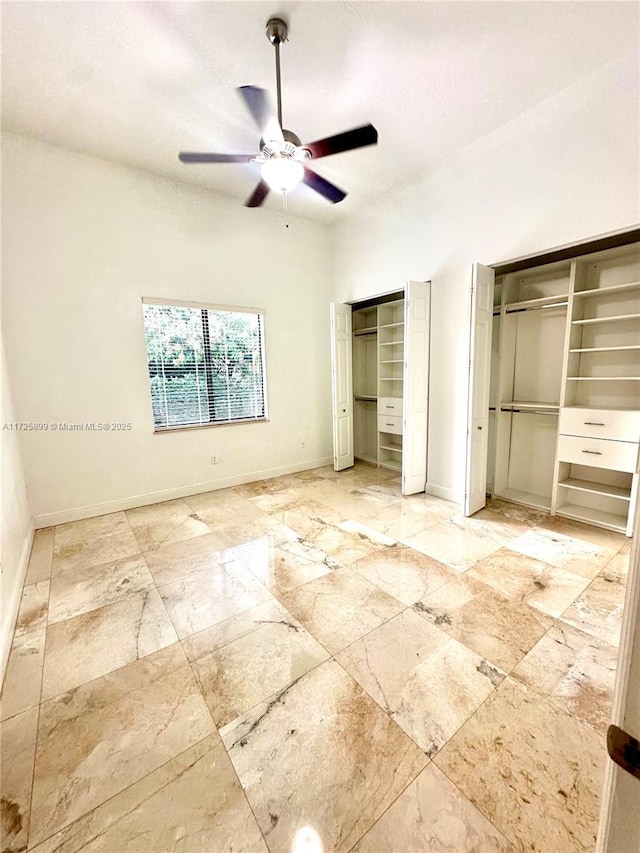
(285, 210)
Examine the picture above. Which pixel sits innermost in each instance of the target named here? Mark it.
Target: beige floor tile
(205, 598)
(321, 754)
(165, 523)
(237, 535)
(105, 735)
(34, 606)
(619, 565)
(80, 545)
(279, 501)
(564, 552)
(357, 502)
(496, 627)
(598, 611)
(522, 578)
(17, 746)
(281, 571)
(100, 641)
(347, 542)
(493, 525)
(39, 568)
(23, 676)
(340, 607)
(575, 670)
(96, 587)
(432, 815)
(410, 516)
(428, 682)
(587, 533)
(191, 804)
(215, 513)
(452, 544)
(249, 657)
(98, 527)
(404, 573)
(516, 513)
(193, 556)
(533, 770)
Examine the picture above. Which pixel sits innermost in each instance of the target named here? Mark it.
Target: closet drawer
(600, 423)
(390, 423)
(390, 406)
(598, 453)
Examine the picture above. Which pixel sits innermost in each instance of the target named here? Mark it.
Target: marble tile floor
(311, 663)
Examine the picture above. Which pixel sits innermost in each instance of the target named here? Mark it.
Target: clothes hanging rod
(537, 307)
(529, 411)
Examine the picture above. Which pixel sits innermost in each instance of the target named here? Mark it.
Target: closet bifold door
(417, 318)
(342, 385)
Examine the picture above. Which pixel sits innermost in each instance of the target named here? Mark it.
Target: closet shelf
(601, 291)
(371, 330)
(540, 302)
(390, 325)
(596, 488)
(517, 496)
(606, 349)
(391, 447)
(603, 378)
(516, 404)
(365, 398)
(605, 319)
(390, 343)
(390, 379)
(392, 466)
(589, 515)
(399, 360)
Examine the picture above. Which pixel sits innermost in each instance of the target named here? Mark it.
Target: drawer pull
(389, 424)
(389, 407)
(593, 452)
(593, 423)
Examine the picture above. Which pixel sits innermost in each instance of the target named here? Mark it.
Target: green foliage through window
(205, 366)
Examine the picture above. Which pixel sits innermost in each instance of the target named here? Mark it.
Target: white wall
(564, 171)
(83, 241)
(16, 530)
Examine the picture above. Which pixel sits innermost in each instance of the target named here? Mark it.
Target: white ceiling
(137, 82)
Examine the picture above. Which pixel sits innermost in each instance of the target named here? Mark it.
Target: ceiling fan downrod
(277, 33)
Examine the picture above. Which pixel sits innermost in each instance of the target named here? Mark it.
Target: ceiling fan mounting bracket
(277, 30)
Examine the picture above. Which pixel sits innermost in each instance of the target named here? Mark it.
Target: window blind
(206, 366)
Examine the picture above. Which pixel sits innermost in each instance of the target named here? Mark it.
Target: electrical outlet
(214, 460)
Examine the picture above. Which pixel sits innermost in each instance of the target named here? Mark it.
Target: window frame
(208, 306)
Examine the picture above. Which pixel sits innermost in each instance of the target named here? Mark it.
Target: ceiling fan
(283, 159)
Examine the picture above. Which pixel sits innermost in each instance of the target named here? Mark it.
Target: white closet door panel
(342, 385)
(479, 384)
(417, 311)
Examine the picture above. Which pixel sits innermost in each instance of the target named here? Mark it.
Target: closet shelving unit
(597, 460)
(566, 388)
(390, 383)
(378, 371)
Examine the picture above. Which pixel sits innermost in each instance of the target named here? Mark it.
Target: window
(206, 365)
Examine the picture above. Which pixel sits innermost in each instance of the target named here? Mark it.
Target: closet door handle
(593, 423)
(593, 452)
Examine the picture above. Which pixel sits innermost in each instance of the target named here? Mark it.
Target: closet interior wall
(564, 422)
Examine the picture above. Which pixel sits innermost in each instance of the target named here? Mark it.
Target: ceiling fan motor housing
(277, 31)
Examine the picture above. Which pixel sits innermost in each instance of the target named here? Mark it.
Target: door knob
(479, 427)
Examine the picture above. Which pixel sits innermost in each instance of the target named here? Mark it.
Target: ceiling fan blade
(321, 185)
(258, 195)
(258, 104)
(356, 138)
(195, 157)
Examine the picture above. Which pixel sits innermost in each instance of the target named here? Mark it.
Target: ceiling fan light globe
(282, 174)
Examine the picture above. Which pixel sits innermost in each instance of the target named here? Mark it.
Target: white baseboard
(11, 604)
(444, 493)
(78, 513)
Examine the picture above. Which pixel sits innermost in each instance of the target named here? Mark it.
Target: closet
(564, 420)
(380, 365)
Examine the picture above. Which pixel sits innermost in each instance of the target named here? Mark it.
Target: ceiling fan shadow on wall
(283, 159)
